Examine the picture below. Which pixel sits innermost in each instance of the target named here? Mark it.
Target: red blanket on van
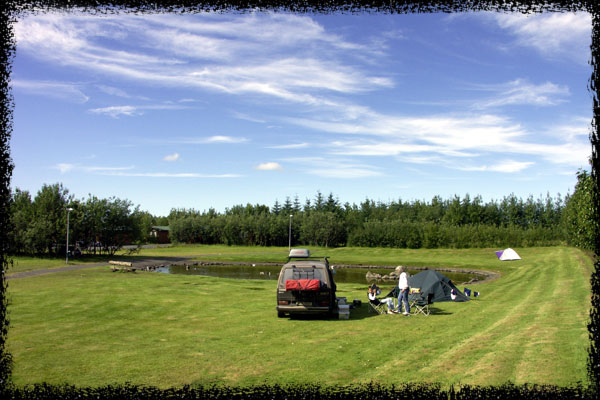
(302, 284)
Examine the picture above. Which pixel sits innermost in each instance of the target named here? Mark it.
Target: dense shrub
(40, 225)
(580, 224)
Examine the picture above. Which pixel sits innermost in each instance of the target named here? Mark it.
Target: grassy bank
(93, 326)
(27, 263)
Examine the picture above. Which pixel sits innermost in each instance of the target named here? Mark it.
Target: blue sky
(215, 110)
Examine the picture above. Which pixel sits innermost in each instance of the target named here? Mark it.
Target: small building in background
(160, 234)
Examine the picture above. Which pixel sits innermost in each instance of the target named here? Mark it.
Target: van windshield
(303, 273)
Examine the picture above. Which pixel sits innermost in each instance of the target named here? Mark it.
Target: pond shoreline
(481, 276)
(151, 264)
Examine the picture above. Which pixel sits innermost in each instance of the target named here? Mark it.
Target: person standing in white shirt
(403, 286)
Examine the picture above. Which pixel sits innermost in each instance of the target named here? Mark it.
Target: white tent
(507, 255)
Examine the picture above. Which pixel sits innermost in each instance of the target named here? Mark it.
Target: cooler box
(344, 311)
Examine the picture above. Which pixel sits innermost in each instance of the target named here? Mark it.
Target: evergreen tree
(332, 204)
(307, 206)
(287, 208)
(276, 210)
(297, 207)
(454, 212)
(319, 201)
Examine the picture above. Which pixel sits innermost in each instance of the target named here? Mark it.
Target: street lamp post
(290, 235)
(67, 250)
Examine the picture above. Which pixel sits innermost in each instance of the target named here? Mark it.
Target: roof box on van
(299, 253)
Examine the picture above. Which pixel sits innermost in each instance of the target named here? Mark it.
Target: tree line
(104, 225)
(100, 226)
(324, 221)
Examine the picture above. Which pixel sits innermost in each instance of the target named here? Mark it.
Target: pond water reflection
(271, 272)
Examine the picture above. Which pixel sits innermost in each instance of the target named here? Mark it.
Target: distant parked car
(305, 285)
(74, 250)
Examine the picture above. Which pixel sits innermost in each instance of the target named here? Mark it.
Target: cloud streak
(171, 157)
(341, 168)
(128, 171)
(304, 80)
(507, 166)
(275, 61)
(132, 111)
(445, 137)
(269, 166)
(552, 34)
(69, 92)
(169, 175)
(291, 146)
(68, 167)
(522, 92)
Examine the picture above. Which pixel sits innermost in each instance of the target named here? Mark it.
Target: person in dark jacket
(373, 292)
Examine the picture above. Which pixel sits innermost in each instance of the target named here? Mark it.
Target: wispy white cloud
(453, 131)
(170, 175)
(69, 92)
(521, 92)
(551, 34)
(227, 38)
(68, 167)
(573, 154)
(216, 139)
(247, 117)
(291, 146)
(510, 166)
(577, 129)
(114, 91)
(108, 169)
(223, 139)
(64, 167)
(117, 111)
(227, 43)
(342, 168)
(172, 157)
(129, 171)
(507, 166)
(278, 59)
(269, 166)
(390, 148)
(132, 111)
(440, 137)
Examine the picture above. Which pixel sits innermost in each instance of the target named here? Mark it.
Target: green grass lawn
(26, 263)
(96, 327)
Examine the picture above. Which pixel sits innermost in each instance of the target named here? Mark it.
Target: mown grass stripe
(522, 304)
(95, 327)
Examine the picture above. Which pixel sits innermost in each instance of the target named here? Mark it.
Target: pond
(271, 272)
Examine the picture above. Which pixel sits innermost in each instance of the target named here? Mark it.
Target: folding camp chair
(380, 307)
(420, 302)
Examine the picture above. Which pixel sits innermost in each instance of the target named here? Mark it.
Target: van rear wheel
(280, 314)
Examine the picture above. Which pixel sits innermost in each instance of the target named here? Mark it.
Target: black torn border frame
(10, 11)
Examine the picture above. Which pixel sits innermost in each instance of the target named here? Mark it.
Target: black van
(305, 285)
